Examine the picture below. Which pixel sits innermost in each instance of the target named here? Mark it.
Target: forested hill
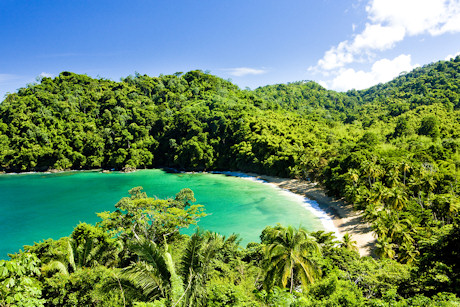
(433, 83)
(307, 97)
(74, 121)
(193, 121)
(199, 121)
(436, 83)
(392, 150)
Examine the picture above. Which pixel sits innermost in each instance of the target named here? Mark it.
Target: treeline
(194, 121)
(136, 256)
(392, 150)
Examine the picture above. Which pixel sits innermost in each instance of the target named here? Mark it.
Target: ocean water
(38, 206)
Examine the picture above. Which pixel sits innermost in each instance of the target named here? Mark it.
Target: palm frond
(54, 266)
(146, 277)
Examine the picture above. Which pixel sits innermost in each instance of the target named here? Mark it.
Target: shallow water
(40, 206)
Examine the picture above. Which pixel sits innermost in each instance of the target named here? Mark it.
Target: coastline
(343, 216)
(336, 215)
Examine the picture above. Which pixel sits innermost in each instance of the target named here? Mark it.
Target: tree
(397, 197)
(429, 127)
(439, 268)
(402, 127)
(153, 273)
(142, 217)
(348, 243)
(159, 277)
(87, 247)
(385, 249)
(195, 266)
(289, 257)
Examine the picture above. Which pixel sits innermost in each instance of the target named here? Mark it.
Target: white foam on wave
(314, 208)
(307, 203)
(47, 172)
(240, 175)
(22, 173)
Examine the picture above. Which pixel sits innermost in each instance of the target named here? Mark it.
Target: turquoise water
(39, 206)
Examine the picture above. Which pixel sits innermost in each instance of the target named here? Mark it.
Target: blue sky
(341, 44)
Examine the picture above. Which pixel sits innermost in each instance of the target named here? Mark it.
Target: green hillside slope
(392, 150)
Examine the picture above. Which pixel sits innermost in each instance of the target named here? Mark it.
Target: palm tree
(408, 253)
(351, 189)
(405, 167)
(347, 243)
(392, 175)
(57, 257)
(324, 238)
(424, 179)
(397, 197)
(379, 193)
(196, 264)
(353, 176)
(380, 225)
(385, 249)
(447, 205)
(372, 170)
(151, 273)
(159, 277)
(289, 256)
(88, 246)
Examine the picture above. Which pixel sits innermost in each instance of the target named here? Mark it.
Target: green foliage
(224, 293)
(277, 297)
(19, 284)
(429, 127)
(208, 269)
(93, 246)
(332, 291)
(289, 257)
(144, 218)
(439, 268)
(392, 150)
(153, 275)
(85, 287)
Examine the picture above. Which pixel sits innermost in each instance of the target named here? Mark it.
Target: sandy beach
(342, 214)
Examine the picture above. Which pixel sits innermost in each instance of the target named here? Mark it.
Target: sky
(341, 44)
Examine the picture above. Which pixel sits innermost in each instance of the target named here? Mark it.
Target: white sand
(336, 215)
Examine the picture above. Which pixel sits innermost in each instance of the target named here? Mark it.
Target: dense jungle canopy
(392, 150)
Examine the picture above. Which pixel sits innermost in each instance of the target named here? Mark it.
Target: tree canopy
(393, 151)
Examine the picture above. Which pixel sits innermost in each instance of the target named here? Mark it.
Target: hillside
(195, 121)
(392, 150)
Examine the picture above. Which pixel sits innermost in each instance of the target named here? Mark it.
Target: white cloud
(244, 71)
(336, 57)
(377, 37)
(451, 56)
(390, 22)
(382, 71)
(323, 84)
(417, 16)
(45, 75)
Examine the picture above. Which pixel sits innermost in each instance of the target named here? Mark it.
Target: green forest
(393, 151)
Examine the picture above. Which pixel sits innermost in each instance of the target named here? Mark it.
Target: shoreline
(343, 216)
(307, 203)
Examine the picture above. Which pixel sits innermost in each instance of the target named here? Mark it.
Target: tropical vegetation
(393, 151)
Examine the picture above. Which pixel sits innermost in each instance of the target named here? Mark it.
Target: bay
(37, 206)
